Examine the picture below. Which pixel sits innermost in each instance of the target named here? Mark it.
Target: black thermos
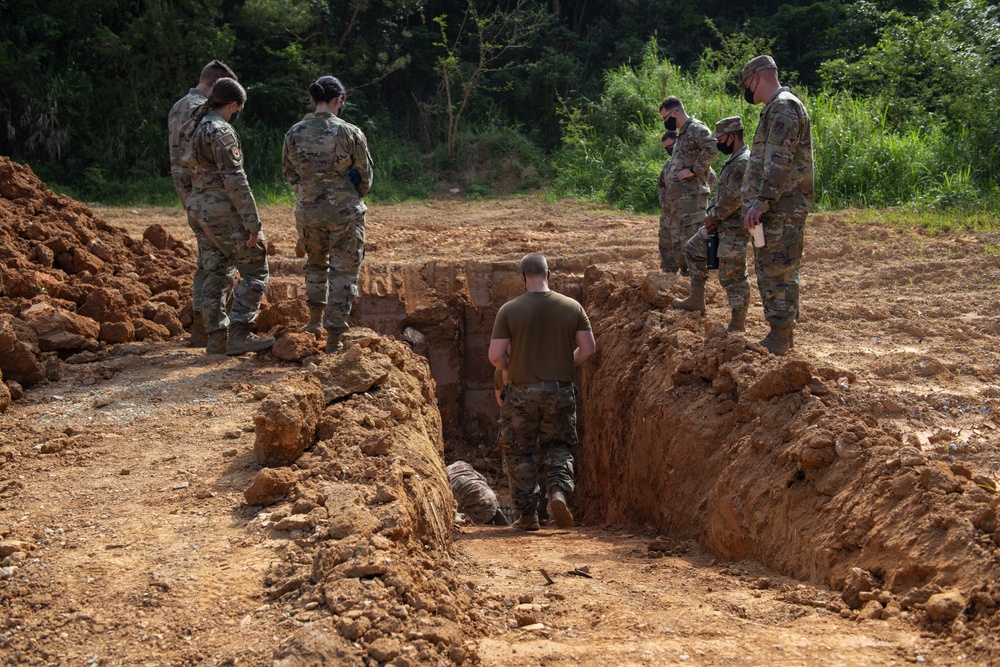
(713, 249)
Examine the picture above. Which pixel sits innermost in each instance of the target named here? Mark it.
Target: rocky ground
(127, 536)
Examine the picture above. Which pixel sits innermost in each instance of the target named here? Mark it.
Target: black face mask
(670, 123)
(725, 149)
(748, 95)
(670, 149)
(236, 114)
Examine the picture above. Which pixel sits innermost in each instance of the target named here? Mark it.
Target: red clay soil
(825, 507)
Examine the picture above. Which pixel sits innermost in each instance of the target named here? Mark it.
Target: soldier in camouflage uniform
(473, 495)
(726, 216)
(180, 114)
(688, 178)
(326, 160)
(777, 193)
(549, 335)
(668, 263)
(224, 208)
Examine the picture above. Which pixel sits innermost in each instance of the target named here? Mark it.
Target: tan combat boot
(333, 343)
(217, 341)
(694, 302)
(778, 341)
(241, 340)
(527, 522)
(738, 321)
(315, 325)
(199, 337)
(559, 510)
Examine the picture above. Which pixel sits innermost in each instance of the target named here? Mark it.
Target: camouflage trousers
(733, 239)
(473, 495)
(668, 263)
(686, 216)
(538, 422)
(777, 268)
(225, 252)
(199, 272)
(334, 250)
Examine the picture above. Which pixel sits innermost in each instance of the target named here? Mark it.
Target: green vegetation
(505, 96)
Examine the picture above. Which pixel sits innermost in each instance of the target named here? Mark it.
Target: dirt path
(125, 477)
(681, 608)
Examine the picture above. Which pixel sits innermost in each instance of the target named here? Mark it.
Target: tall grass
(611, 150)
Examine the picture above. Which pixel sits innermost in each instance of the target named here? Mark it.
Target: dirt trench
(709, 473)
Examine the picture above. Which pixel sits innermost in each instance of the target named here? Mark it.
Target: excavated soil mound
(371, 511)
(776, 460)
(70, 282)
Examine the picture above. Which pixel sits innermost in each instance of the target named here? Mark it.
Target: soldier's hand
(254, 237)
(709, 224)
(752, 218)
(300, 252)
(684, 174)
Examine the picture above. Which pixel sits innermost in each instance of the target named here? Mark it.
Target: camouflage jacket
(214, 161)
(728, 203)
(695, 150)
(779, 176)
(318, 152)
(179, 114)
(661, 184)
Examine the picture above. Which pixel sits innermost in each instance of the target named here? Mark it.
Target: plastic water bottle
(758, 235)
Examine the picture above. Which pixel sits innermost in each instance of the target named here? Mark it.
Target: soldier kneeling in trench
(549, 335)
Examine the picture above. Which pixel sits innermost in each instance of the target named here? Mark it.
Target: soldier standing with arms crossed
(326, 160)
(225, 209)
(549, 335)
(726, 216)
(777, 193)
(179, 114)
(687, 181)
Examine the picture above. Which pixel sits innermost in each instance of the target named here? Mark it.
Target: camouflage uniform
(668, 262)
(224, 208)
(694, 150)
(473, 495)
(779, 182)
(318, 152)
(180, 114)
(727, 213)
(538, 421)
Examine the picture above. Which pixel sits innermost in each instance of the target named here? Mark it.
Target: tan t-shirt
(542, 330)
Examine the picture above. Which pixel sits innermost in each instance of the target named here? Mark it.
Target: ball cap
(758, 64)
(731, 124)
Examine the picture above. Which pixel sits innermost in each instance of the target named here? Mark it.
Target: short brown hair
(669, 134)
(671, 103)
(533, 264)
(216, 70)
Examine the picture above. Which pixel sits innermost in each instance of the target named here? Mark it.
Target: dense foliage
(501, 94)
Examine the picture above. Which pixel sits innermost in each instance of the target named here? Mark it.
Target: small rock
(858, 580)
(9, 547)
(269, 486)
(872, 610)
(384, 649)
(945, 607)
(229, 453)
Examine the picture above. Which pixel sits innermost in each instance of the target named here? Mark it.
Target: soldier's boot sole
(559, 510)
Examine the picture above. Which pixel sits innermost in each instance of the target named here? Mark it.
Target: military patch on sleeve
(227, 139)
(235, 152)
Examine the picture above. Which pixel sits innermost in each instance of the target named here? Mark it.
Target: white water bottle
(758, 235)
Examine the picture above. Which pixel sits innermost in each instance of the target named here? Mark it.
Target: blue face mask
(236, 114)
